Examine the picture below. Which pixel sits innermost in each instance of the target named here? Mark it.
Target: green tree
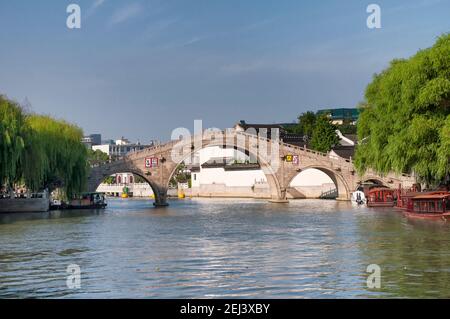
(405, 125)
(54, 154)
(347, 128)
(39, 151)
(306, 123)
(180, 176)
(13, 132)
(97, 157)
(109, 180)
(324, 135)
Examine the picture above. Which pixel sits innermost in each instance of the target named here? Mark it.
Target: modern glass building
(342, 115)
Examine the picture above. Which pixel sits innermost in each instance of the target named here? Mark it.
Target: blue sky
(142, 68)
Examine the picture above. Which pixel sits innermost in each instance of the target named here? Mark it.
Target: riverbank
(261, 191)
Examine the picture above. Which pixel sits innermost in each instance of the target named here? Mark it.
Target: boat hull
(380, 204)
(93, 206)
(435, 216)
(24, 205)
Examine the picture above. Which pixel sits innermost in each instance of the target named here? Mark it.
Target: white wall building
(120, 147)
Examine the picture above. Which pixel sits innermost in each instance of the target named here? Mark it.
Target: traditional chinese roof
(433, 196)
(344, 151)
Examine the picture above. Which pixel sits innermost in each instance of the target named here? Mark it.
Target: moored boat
(358, 197)
(381, 197)
(405, 196)
(88, 201)
(430, 206)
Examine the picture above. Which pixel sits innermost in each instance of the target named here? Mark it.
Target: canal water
(223, 248)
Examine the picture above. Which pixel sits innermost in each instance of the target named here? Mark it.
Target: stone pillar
(281, 197)
(160, 197)
(343, 193)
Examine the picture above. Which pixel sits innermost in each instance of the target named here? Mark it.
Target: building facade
(120, 147)
(342, 116)
(92, 140)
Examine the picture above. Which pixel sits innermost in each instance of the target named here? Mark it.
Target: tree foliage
(305, 126)
(318, 130)
(12, 140)
(180, 175)
(324, 135)
(40, 151)
(97, 157)
(405, 124)
(55, 154)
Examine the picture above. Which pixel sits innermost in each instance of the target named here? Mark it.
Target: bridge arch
(271, 177)
(343, 189)
(375, 180)
(95, 182)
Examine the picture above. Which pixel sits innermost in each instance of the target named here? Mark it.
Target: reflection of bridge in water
(157, 164)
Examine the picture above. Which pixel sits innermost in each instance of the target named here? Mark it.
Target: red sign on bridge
(151, 162)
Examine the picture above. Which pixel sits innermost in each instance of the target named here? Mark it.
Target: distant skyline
(140, 69)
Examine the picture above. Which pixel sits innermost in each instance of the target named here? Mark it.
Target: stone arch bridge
(279, 161)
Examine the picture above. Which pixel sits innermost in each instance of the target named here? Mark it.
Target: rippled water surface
(223, 248)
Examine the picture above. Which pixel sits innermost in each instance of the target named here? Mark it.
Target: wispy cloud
(98, 3)
(193, 40)
(304, 63)
(125, 13)
(179, 43)
(93, 8)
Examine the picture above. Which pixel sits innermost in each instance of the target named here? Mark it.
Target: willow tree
(40, 151)
(54, 155)
(405, 124)
(12, 141)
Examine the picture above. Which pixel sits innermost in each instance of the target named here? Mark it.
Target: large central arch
(272, 180)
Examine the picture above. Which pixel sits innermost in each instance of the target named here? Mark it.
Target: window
(416, 206)
(448, 204)
(439, 206)
(431, 207)
(423, 206)
(195, 177)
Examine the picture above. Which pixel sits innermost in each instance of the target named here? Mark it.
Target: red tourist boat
(405, 196)
(434, 206)
(381, 197)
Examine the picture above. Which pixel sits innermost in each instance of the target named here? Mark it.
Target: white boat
(359, 198)
(31, 203)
